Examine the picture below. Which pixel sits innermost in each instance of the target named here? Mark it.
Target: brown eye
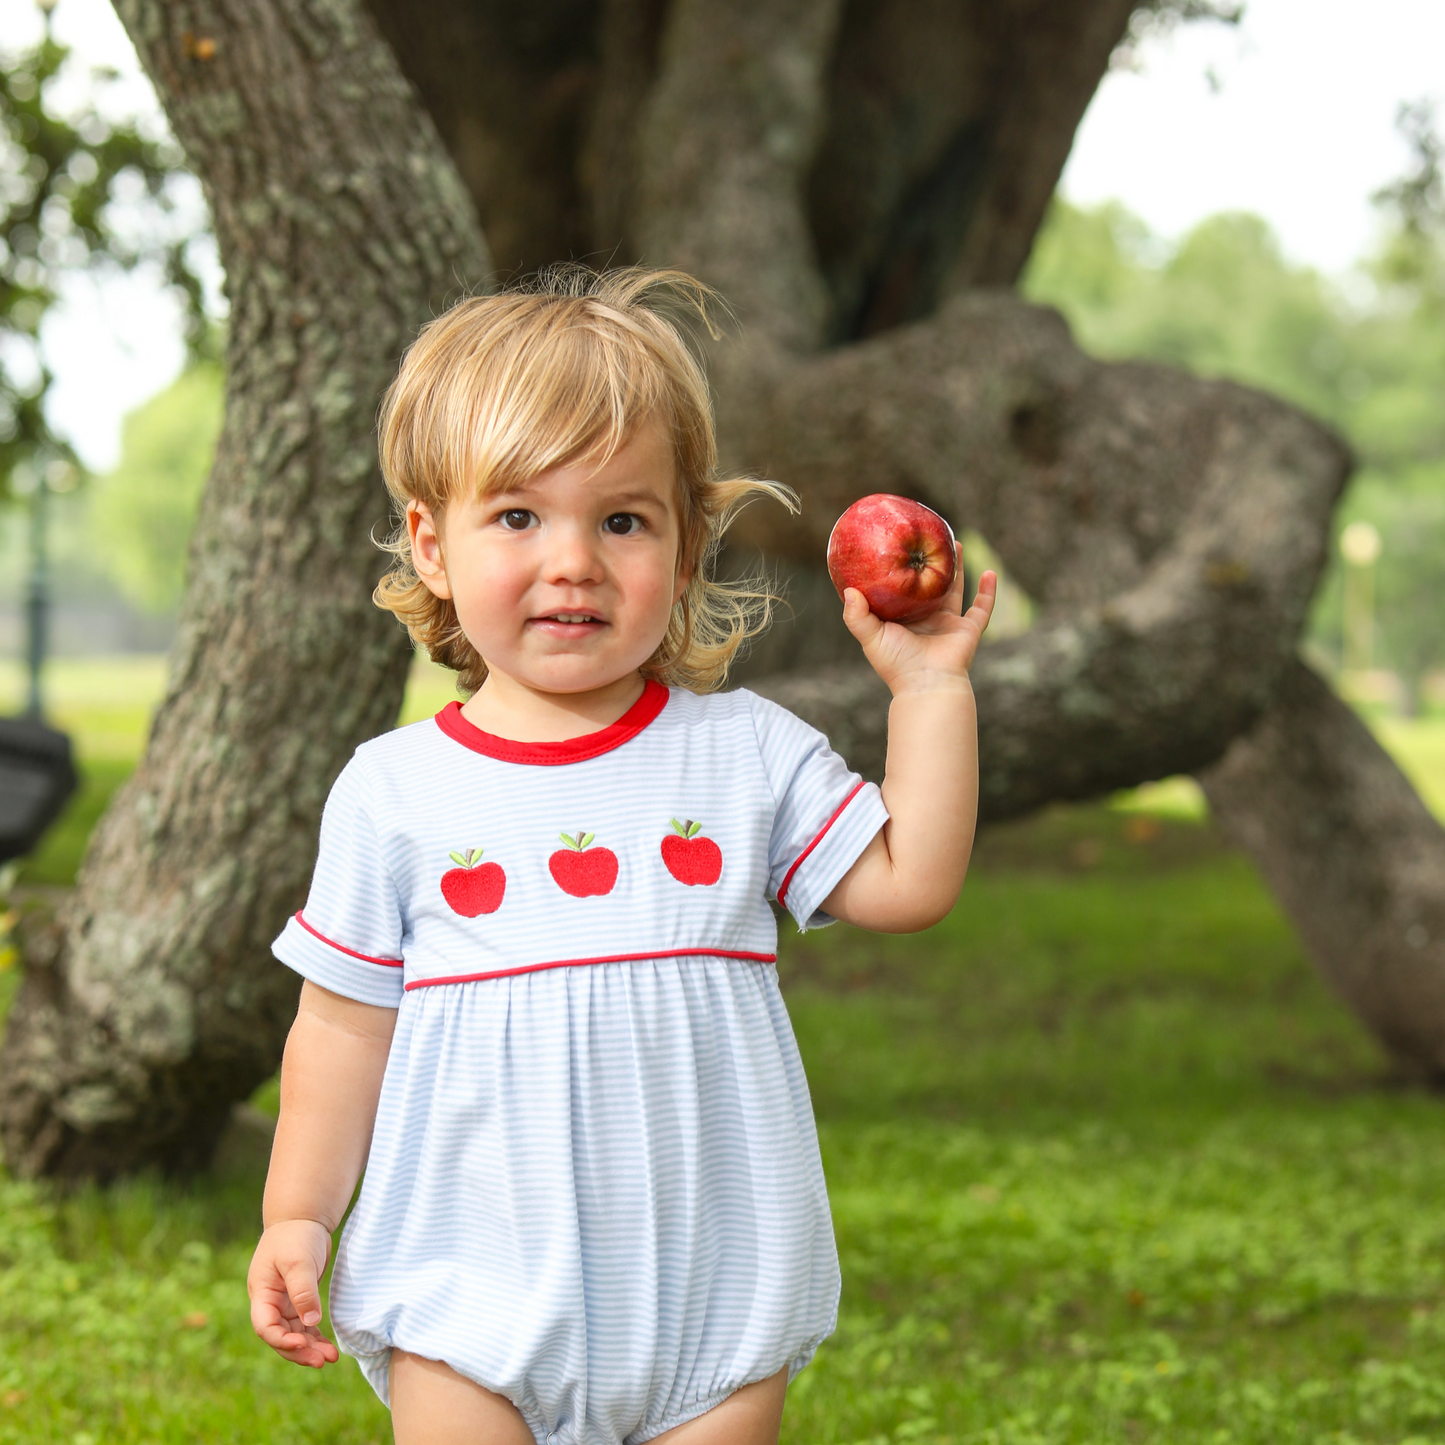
(516, 519)
(620, 524)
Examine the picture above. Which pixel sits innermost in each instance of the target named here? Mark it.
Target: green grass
(1418, 745)
(1107, 1164)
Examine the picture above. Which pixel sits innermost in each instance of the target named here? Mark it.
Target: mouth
(569, 624)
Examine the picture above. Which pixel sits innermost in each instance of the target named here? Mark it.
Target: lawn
(1106, 1162)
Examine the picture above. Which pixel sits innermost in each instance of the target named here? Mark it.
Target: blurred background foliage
(1365, 352)
(139, 520)
(78, 189)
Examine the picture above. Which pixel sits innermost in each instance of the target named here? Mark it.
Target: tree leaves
(59, 177)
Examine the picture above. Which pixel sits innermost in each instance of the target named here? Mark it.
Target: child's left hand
(932, 655)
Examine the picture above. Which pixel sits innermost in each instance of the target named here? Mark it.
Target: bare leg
(750, 1416)
(433, 1405)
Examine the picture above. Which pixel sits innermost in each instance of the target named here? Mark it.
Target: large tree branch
(153, 1003)
(1174, 528)
(1352, 853)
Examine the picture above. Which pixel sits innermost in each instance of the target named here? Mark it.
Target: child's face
(567, 583)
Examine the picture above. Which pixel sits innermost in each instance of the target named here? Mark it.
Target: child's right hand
(285, 1289)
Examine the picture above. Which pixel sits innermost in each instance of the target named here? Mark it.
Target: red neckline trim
(571, 750)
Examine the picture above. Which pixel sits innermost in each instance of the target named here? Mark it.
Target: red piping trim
(798, 861)
(342, 948)
(612, 958)
(572, 750)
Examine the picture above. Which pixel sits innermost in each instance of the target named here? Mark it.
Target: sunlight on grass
(105, 703)
(428, 690)
(1418, 745)
(1172, 797)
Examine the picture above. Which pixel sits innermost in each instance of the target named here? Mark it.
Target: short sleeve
(826, 813)
(348, 937)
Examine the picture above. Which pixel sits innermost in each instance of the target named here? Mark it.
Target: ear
(679, 586)
(426, 548)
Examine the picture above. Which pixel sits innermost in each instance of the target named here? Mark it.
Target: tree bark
(152, 1002)
(1172, 528)
(948, 126)
(1354, 856)
(942, 126)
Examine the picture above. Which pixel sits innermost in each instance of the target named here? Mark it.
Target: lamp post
(37, 594)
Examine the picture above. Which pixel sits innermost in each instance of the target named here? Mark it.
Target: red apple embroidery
(473, 887)
(691, 859)
(582, 870)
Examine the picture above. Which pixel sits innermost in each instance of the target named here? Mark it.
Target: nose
(572, 555)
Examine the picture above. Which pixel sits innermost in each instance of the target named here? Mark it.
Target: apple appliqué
(582, 870)
(473, 887)
(690, 859)
(898, 553)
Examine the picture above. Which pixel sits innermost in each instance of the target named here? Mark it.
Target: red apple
(582, 870)
(690, 859)
(473, 887)
(898, 553)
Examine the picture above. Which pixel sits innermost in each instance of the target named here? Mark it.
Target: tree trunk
(153, 1002)
(948, 126)
(942, 126)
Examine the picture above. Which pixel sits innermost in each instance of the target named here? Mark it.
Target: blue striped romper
(594, 1184)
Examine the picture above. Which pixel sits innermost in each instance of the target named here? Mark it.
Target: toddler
(540, 1004)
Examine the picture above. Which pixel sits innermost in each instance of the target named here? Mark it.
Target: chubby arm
(910, 875)
(330, 1082)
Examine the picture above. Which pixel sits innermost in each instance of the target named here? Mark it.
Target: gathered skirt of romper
(595, 1190)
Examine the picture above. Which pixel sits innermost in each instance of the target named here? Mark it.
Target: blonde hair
(568, 365)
